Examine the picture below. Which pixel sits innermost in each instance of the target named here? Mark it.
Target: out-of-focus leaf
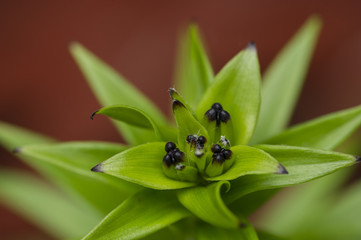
(326, 132)
(288, 215)
(136, 117)
(187, 124)
(207, 204)
(69, 164)
(303, 164)
(141, 165)
(12, 136)
(111, 88)
(208, 232)
(194, 72)
(140, 215)
(248, 161)
(237, 88)
(268, 236)
(44, 206)
(283, 81)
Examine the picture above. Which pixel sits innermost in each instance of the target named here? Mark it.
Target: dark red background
(42, 89)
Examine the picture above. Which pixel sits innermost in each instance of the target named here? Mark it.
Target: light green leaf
(283, 81)
(12, 136)
(237, 88)
(303, 164)
(187, 124)
(111, 88)
(141, 165)
(69, 164)
(174, 95)
(140, 215)
(135, 117)
(288, 216)
(267, 236)
(207, 204)
(194, 72)
(326, 132)
(248, 161)
(208, 232)
(44, 206)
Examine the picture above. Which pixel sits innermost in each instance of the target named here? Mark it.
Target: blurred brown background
(42, 89)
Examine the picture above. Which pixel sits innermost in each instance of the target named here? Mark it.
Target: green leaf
(326, 132)
(135, 117)
(237, 88)
(44, 206)
(303, 164)
(140, 215)
(283, 81)
(288, 216)
(248, 161)
(12, 136)
(208, 232)
(111, 88)
(141, 165)
(69, 164)
(187, 124)
(207, 204)
(194, 72)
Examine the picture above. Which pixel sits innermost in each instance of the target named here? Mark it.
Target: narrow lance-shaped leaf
(136, 117)
(69, 164)
(12, 136)
(207, 204)
(325, 132)
(283, 81)
(111, 88)
(249, 161)
(303, 164)
(194, 72)
(47, 208)
(237, 88)
(209, 232)
(140, 215)
(141, 165)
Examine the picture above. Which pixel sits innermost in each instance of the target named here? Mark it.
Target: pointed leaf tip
(281, 169)
(171, 91)
(358, 159)
(97, 168)
(93, 114)
(16, 150)
(252, 46)
(177, 104)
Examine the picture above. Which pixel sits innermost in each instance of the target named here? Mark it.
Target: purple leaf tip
(97, 168)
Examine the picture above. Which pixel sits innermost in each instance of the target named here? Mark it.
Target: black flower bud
(217, 107)
(227, 154)
(170, 146)
(211, 114)
(218, 158)
(217, 113)
(216, 148)
(178, 156)
(201, 140)
(167, 160)
(224, 116)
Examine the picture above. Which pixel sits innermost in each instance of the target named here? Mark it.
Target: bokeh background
(42, 89)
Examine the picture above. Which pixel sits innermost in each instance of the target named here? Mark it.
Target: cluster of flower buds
(216, 113)
(173, 156)
(220, 154)
(198, 143)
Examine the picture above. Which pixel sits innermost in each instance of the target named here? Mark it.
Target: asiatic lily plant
(198, 178)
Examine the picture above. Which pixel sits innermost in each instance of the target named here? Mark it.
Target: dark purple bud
(191, 138)
(170, 146)
(201, 140)
(217, 107)
(211, 114)
(227, 154)
(216, 148)
(224, 116)
(167, 160)
(218, 158)
(178, 156)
